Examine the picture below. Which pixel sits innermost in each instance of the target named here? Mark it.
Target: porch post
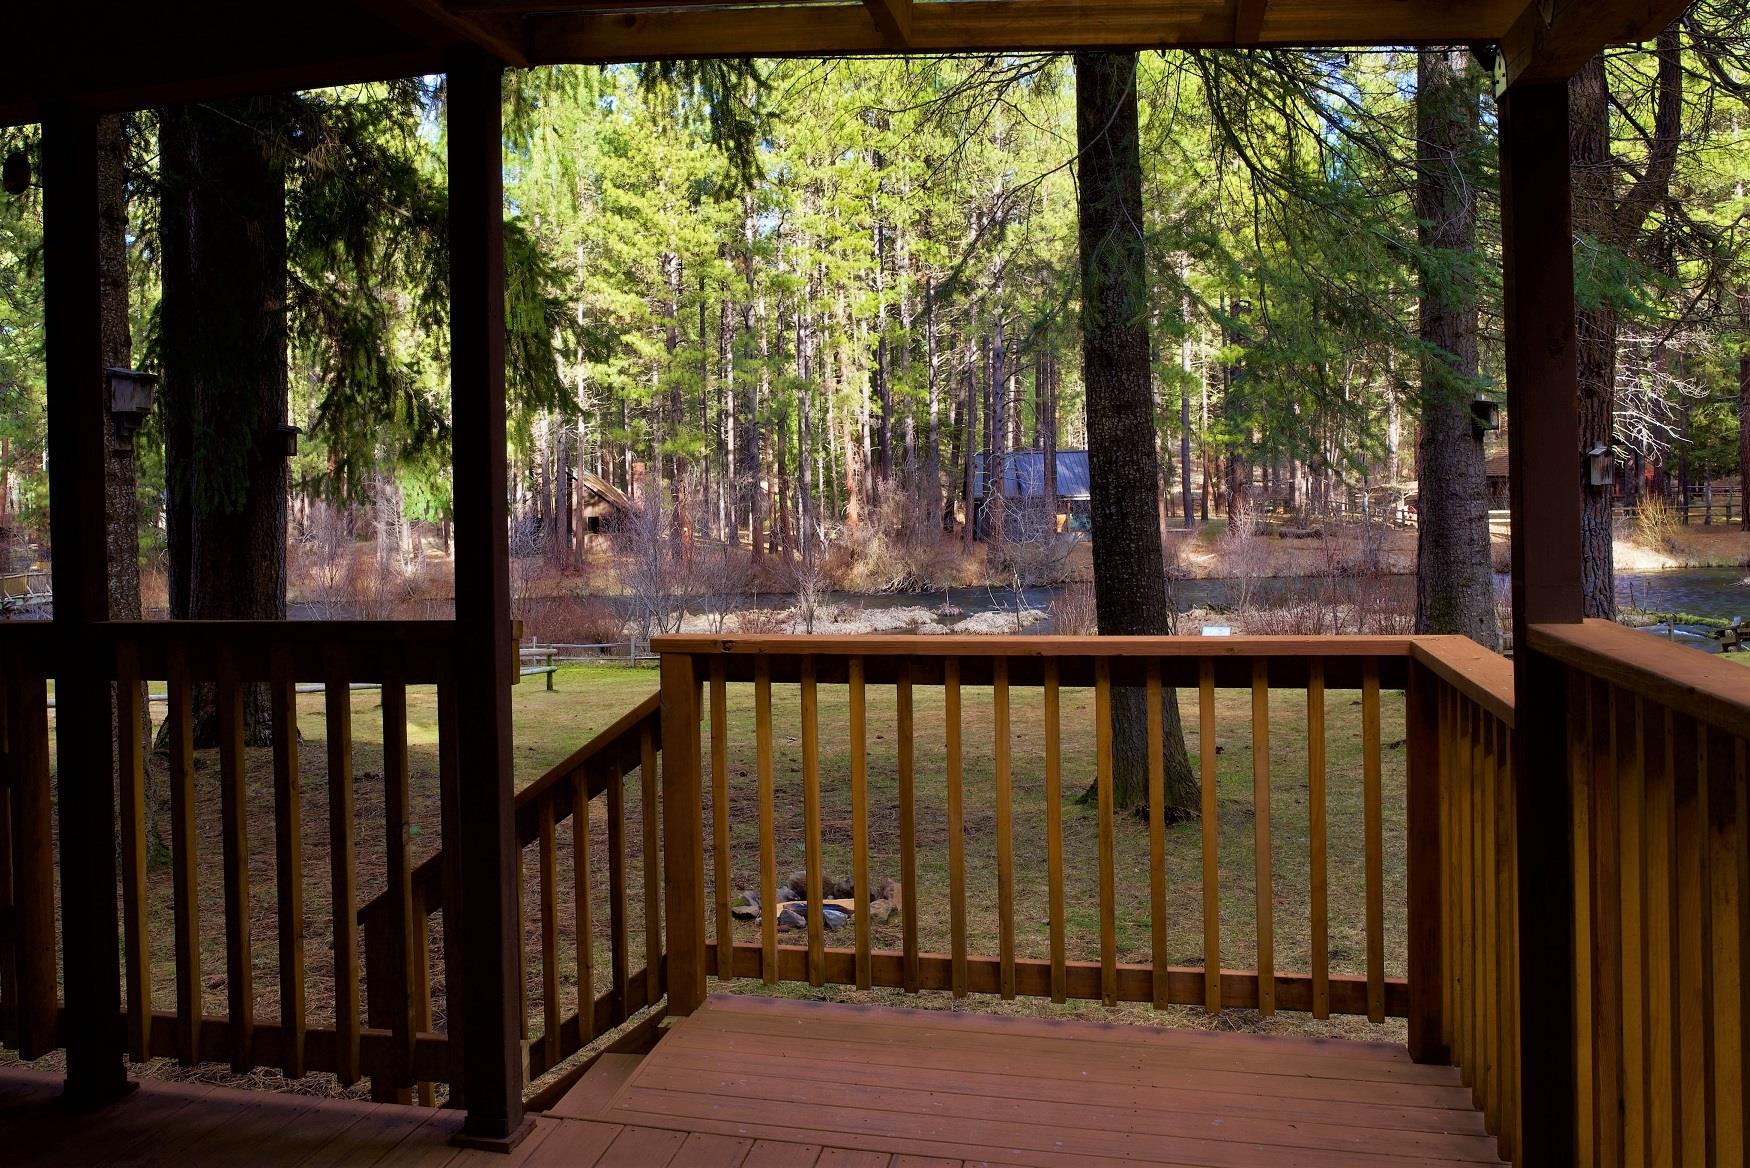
(490, 1030)
(1545, 467)
(85, 782)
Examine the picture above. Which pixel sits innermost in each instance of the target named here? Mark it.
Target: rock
(887, 890)
(790, 920)
(833, 916)
(798, 884)
(883, 910)
(840, 889)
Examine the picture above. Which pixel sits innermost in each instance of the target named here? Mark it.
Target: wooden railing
(900, 668)
(1656, 742)
(570, 873)
(1468, 944)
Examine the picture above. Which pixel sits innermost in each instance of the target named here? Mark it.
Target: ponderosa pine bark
(1130, 582)
(1455, 586)
(1610, 217)
(224, 350)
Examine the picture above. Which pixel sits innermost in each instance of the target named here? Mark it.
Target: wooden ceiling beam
(1551, 39)
(944, 26)
(437, 25)
(893, 19)
(1249, 21)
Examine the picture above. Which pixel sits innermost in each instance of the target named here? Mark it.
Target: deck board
(776, 1083)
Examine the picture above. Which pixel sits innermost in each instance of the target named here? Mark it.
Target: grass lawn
(588, 698)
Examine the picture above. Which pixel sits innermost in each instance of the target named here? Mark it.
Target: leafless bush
(723, 578)
(1657, 525)
(757, 620)
(1027, 551)
(1073, 612)
(652, 568)
(898, 547)
(323, 555)
(1245, 557)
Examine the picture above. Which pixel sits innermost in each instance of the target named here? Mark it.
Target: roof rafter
(434, 23)
(1249, 21)
(1551, 39)
(893, 18)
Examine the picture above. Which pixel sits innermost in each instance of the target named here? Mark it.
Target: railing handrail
(616, 748)
(1482, 676)
(1042, 646)
(1712, 691)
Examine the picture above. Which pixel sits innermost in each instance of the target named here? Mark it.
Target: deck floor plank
(749, 1082)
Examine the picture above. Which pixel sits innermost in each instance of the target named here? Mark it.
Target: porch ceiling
(94, 53)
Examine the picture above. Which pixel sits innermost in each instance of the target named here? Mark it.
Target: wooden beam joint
(893, 20)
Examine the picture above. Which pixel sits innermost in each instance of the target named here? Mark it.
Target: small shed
(1023, 477)
(601, 506)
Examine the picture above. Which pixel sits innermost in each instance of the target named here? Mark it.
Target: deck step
(597, 1089)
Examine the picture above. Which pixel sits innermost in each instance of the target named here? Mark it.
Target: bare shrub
(1657, 525)
(1027, 551)
(652, 569)
(1073, 612)
(759, 620)
(722, 577)
(573, 620)
(1244, 557)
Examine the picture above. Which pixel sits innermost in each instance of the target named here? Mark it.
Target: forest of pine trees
(794, 302)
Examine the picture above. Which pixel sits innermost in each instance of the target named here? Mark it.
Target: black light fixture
(288, 434)
(1485, 414)
(131, 394)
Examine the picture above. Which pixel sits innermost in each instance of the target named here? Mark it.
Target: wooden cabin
(1024, 478)
(1572, 987)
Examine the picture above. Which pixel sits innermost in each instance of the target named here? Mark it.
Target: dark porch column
(78, 459)
(490, 1030)
(1545, 467)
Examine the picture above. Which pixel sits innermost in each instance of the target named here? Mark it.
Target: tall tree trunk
(1130, 585)
(223, 341)
(1595, 334)
(1744, 409)
(1455, 586)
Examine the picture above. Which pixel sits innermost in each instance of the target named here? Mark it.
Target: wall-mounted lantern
(130, 399)
(288, 435)
(1600, 465)
(1485, 415)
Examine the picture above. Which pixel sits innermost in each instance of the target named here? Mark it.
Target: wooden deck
(769, 1083)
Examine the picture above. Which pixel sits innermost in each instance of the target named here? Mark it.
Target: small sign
(1218, 631)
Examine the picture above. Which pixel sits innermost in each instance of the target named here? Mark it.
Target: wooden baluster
(1509, 1134)
(547, 855)
(1450, 942)
(1487, 1013)
(33, 825)
(956, 838)
(288, 844)
(1054, 828)
(449, 816)
(860, 822)
(720, 846)
(647, 780)
(1315, 830)
(1374, 825)
(1005, 828)
(1157, 837)
(908, 861)
(1690, 822)
(1261, 847)
(234, 843)
(683, 836)
(1425, 914)
(425, 1095)
(183, 859)
(1725, 1006)
(343, 872)
(811, 822)
(1626, 752)
(583, 925)
(619, 911)
(397, 996)
(762, 701)
(522, 948)
(1467, 777)
(1211, 805)
(131, 771)
(1580, 755)
(1659, 933)
(1108, 834)
(1606, 947)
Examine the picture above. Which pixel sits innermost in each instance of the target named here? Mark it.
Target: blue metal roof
(1024, 474)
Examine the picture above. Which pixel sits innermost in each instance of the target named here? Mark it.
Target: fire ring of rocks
(838, 905)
